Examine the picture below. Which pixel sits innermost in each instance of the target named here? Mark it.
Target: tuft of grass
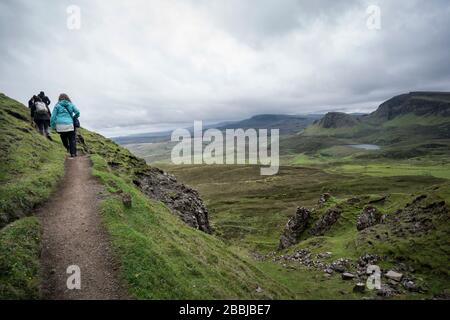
(19, 259)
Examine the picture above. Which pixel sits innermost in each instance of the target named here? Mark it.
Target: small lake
(365, 146)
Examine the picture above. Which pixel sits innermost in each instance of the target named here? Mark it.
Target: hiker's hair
(64, 96)
(37, 99)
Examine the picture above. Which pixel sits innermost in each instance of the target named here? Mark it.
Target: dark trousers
(69, 141)
(42, 126)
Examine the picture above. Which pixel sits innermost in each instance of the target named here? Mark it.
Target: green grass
(30, 169)
(395, 169)
(162, 258)
(30, 165)
(19, 259)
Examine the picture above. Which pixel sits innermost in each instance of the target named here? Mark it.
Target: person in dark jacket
(44, 98)
(41, 116)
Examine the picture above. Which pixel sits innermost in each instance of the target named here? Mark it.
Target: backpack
(41, 107)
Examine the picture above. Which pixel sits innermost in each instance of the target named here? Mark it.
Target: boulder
(369, 217)
(126, 200)
(393, 275)
(294, 228)
(359, 287)
(324, 198)
(326, 221)
(348, 276)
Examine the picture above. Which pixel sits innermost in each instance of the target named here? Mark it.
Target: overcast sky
(139, 66)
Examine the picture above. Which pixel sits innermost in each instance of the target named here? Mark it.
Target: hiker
(65, 120)
(45, 100)
(31, 107)
(40, 113)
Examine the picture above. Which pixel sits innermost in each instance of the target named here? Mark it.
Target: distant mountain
(417, 103)
(338, 120)
(286, 123)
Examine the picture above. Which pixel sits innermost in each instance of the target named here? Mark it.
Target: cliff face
(183, 201)
(418, 103)
(333, 120)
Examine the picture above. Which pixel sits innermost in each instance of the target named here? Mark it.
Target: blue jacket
(60, 114)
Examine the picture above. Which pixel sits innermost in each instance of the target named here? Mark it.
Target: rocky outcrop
(369, 217)
(333, 120)
(294, 228)
(418, 217)
(182, 200)
(324, 199)
(326, 221)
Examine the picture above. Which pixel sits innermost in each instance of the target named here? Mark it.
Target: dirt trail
(74, 235)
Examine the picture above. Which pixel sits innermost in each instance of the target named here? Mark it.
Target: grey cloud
(141, 63)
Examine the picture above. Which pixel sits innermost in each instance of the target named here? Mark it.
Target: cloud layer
(145, 65)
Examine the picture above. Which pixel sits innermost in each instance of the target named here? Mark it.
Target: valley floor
(249, 211)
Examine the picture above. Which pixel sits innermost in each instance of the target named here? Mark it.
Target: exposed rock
(338, 120)
(368, 259)
(369, 217)
(347, 276)
(418, 217)
(126, 200)
(294, 228)
(353, 200)
(393, 275)
(324, 198)
(259, 289)
(340, 265)
(385, 291)
(324, 255)
(326, 221)
(182, 200)
(359, 287)
(410, 286)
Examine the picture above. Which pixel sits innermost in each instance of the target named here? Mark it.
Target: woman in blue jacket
(62, 121)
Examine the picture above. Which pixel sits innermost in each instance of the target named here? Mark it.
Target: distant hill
(338, 120)
(417, 103)
(286, 123)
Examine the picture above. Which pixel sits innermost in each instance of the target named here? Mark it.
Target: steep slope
(161, 254)
(30, 168)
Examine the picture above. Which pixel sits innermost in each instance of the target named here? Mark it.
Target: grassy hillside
(30, 168)
(160, 256)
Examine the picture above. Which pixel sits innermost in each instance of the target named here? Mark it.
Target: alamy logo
(239, 146)
(374, 279)
(73, 17)
(74, 280)
(373, 17)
